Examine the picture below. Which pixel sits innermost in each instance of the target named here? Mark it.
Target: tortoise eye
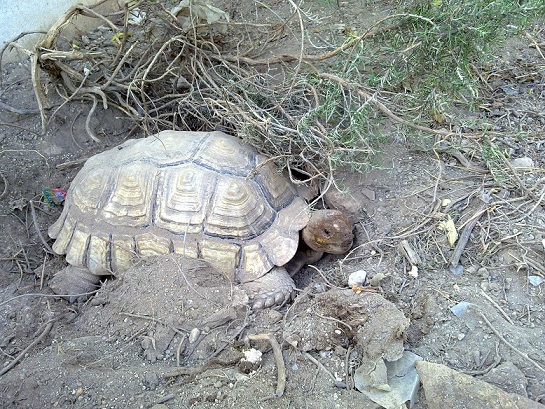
(327, 232)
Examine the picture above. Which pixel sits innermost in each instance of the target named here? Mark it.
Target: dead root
(213, 362)
(193, 371)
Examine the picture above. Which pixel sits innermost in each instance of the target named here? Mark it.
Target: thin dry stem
(279, 360)
(22, 354)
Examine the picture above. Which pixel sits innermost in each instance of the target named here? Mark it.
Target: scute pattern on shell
(205, 195)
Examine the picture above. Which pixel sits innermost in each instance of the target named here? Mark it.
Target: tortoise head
(328, 231)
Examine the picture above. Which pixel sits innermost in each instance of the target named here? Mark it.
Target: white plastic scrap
(136, 16)
(186, 10)
(413, 272)
(460, 308)
(536, 280)
(401, 387)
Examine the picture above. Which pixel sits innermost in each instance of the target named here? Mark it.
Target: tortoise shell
(204, 195)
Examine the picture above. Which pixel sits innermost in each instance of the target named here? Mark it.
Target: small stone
(510, 90)
(340, 384)
(357, 277)
(472, 269)
(508, 377)
(194, 335)
(239, 377)
(293, 339)
(345, 202)
(377, 278)
(253, 355)
(151, 380)
(460, 309)
(182, 84)
(274, 315)
(483, 272)
(523, 162)
(340, 351)
(446, 388)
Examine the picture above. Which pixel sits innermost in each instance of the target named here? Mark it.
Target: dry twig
(280, 366)
(464, 237)
(156, 320)
(196, 370)
(5, 183)
(40, 338)
(319, 365)
(182, 79)
(511, 346)
(37, 228)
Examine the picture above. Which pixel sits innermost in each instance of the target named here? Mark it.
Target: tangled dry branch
(190, 68)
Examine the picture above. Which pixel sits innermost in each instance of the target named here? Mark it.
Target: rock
(345, 202)
(157, 342)
(507, 377)
(194, 335)
(447, 388)
(372, 374)
(357, 277)
(523, 162)
(151, 380)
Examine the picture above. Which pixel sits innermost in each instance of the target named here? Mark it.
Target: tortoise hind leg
(74, 283)
(274, 288)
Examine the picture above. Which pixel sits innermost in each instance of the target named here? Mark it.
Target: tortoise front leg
(274, 288)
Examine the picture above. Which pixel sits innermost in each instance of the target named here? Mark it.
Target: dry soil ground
(114, 351)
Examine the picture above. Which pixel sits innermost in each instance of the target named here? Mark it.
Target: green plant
(494, 157)
(433, 51)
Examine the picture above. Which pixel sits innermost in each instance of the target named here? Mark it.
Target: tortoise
(205, 195)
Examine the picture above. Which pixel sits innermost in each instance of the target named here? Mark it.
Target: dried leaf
(450, 229)
(201, 11)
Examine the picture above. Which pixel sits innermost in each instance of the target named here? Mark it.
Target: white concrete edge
(18, 17)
